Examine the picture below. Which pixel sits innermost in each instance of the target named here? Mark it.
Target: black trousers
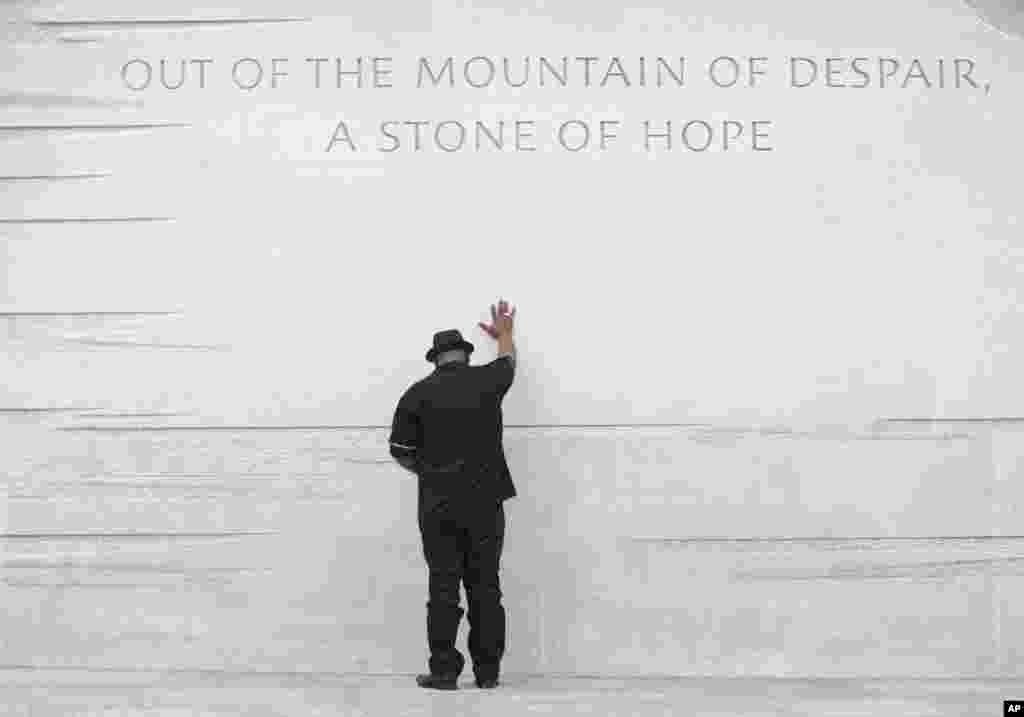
(462, 541)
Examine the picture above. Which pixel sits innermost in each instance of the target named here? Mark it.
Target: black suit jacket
(448, 429)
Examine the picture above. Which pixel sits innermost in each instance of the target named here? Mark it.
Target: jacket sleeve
(502, 371)
(406, 433)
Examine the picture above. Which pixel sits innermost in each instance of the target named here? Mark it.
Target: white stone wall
(765, 419)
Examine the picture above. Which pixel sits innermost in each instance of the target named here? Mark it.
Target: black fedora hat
(448, 341)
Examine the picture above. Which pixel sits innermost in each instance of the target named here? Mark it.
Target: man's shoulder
(413, 392)
(495, 367)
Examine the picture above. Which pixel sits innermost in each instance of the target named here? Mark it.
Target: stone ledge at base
(42, 692)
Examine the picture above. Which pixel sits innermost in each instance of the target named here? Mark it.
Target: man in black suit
(448, 430)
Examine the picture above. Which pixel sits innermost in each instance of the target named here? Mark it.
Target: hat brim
(464, 345)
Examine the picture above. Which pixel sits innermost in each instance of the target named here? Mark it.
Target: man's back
(460, 412)
(461, 428)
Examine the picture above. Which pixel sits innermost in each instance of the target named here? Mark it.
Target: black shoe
(488, 684)
(437, 682)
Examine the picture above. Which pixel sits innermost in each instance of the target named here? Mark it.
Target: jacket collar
(451, 365)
